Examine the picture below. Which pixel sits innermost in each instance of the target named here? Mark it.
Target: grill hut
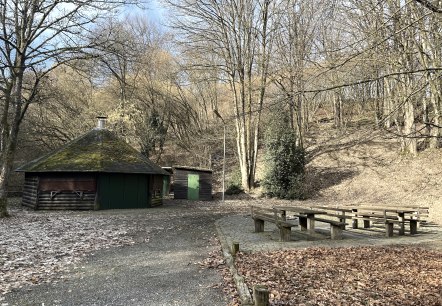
(192, 183)
(95, 171)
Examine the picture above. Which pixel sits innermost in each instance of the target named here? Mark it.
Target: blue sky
(156, 11)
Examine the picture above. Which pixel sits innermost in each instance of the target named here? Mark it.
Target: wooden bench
(336, 227)
(420, 214)
(387, 220)
(307, 223)
(336, 212)
(260, 215)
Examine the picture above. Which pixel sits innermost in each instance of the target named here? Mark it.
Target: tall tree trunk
(409, 129)
(337, 109)
(388, 104)
(11, 145)
(436, 129)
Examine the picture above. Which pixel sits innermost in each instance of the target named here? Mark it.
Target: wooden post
(261, 295)
(235, 248)
(336, 232)
(389, 229)
(401, 217)
(413, 227)
(311, 223)
(354, 223)
(259, 225)
(343, 220)
(303, 223)
(285, 232)
(366, 222)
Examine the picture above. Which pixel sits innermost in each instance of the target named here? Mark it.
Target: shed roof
(196, 169)
(99, 150)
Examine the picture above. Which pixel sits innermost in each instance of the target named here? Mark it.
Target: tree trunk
(387, 107)
(4, 176)
(337, 109)
(9, 153)
(435, 130)
(409, 129)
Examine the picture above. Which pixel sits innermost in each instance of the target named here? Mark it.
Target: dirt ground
(157, 262)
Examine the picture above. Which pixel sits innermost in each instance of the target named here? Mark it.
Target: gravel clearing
(134, 257)
(37, 246)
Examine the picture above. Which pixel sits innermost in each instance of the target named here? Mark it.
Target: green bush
(234, 185)
(234, 189)
(285, 162)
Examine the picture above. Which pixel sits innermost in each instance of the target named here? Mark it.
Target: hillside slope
(363, 166)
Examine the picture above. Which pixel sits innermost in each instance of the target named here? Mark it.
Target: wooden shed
(192, 183)
(95, 171)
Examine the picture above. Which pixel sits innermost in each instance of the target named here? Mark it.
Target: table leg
(366, 222)
(413, 227)
(401, 216)
(355, 221)
(311, 223)
(343, 219)
(303, 223)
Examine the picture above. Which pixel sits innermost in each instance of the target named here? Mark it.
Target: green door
(193, 186)
(117, 190)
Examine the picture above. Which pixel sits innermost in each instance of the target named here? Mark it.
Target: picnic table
(307, 218)
(388, 215)
(306, 215)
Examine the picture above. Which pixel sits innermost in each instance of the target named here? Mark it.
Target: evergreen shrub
(285, 161)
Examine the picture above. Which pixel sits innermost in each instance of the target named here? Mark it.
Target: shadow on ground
(318, 179)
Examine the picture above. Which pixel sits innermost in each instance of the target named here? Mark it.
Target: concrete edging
(243, 290)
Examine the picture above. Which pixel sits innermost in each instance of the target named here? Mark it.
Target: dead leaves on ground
(36, 246)
(347, 276)
(215, 260)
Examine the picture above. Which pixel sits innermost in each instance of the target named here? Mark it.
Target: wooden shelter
(192, 183)
(95, 171)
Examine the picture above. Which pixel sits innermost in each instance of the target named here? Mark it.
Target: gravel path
(240, 228)
(161, 269)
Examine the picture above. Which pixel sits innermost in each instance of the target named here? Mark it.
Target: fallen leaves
(347, 276)
(215, 260)
(36, 246)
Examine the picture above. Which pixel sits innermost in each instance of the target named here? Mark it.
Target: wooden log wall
(205, 186)
(180, 184)
(157, 190)
(66, 200)
(30, 191)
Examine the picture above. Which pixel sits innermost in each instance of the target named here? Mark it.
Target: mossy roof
(197, 169)
(99, 150)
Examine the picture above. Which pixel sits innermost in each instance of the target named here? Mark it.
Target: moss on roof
(99, 150)
(192, 168)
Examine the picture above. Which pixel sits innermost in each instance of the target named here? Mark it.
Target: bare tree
(239, 34)
(297, 33)
(36, 36)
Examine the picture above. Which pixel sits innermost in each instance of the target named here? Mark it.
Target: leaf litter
(397, 275)
(35, 247)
